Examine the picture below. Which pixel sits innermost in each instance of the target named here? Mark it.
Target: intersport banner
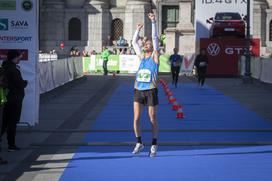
(19, 30)
(206, 9)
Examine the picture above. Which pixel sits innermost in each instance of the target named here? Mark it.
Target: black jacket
(16, 84)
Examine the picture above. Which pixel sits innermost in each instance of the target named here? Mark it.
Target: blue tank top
(147, 75)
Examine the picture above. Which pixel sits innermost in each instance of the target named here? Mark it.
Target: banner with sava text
(19, 31)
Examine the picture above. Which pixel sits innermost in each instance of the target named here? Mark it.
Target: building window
(270, 31)
(170, 17)
(117, 29)
(75, 29)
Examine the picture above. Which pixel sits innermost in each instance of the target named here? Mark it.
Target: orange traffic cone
(180, 114)
(172, 99)
(176, 106)
(166, 90)
(169, 93)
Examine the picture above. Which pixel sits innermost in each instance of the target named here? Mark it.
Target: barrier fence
(260, 68)
(56, 72)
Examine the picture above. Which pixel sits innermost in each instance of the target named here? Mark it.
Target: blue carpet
(204, 109)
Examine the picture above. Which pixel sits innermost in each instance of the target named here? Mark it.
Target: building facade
(86, 24)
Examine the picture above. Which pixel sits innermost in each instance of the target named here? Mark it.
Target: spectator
(163, 40)
(123, 51)
(72, 52)
(105, 56)
(121, 41)
(130, 51)
(119, 51)
(85, 53)
(115, 51)
(15, 96)
(109, 41)
(93, 52)
(3, 85)
(77, 53)
(130, 44)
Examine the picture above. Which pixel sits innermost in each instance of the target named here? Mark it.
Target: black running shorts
(146, 97)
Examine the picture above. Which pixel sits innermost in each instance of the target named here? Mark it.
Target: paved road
(67, 112)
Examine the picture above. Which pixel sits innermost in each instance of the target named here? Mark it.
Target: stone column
(98, 23)
(182, 37)
(269, 2)
(75, 3)
(52, 25)
(185, 15)
(259, 20)
(135, 13)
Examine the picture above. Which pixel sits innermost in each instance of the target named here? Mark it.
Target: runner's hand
(139, 26)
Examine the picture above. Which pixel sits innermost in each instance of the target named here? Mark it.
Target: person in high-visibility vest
(163, 40)
(146, 86)
(3, 100)
(16, 93)
(105, 56)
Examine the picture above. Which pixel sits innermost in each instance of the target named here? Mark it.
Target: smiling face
(148, 47)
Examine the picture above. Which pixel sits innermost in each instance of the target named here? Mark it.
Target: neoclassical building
(86, 24)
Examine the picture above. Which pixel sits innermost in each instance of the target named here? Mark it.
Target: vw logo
(213, 49)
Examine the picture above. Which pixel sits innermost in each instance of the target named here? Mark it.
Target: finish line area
(219, 139)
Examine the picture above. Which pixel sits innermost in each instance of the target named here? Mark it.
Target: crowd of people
(119, 47)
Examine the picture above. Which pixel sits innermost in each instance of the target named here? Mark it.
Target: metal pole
(248, 56)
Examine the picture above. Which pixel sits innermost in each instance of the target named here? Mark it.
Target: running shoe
(153, 150)
(13, 148)
(138, 148)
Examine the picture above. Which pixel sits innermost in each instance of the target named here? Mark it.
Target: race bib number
(202, 64)
(176, 64)
(144, 75)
